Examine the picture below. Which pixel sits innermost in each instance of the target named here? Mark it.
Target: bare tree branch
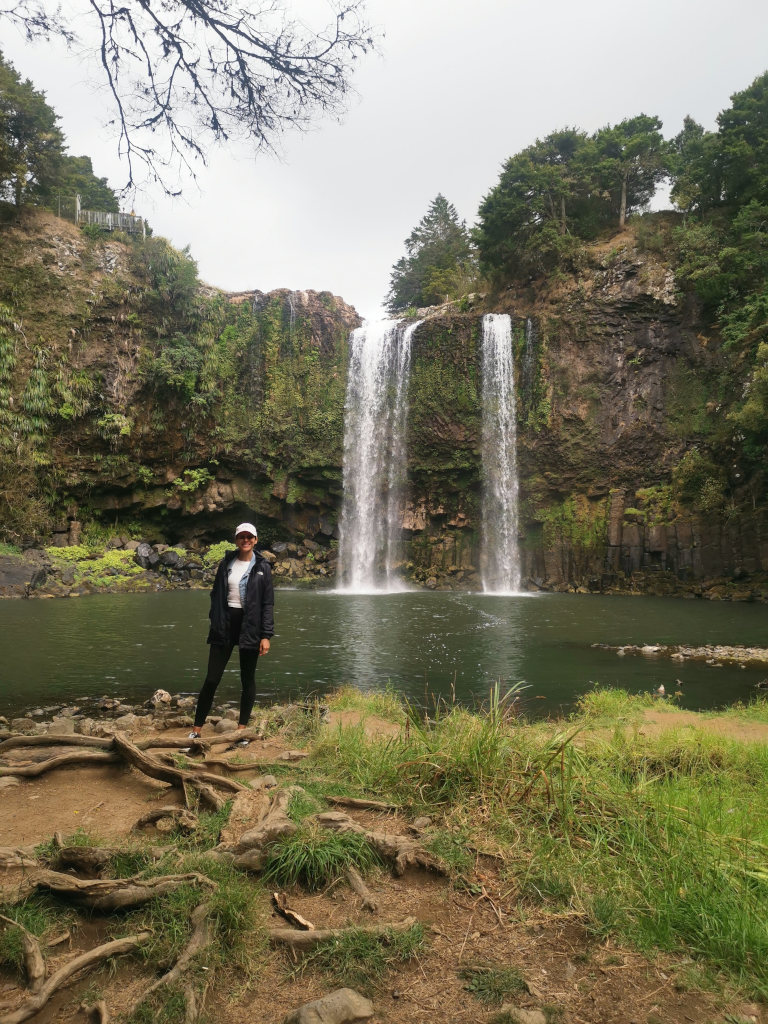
(188, 74)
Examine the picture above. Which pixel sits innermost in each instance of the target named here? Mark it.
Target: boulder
(340, 1007)
(172, 559)
(160, 698)
(146, 556)
(225, 725)
(62, 726)
(22, 725)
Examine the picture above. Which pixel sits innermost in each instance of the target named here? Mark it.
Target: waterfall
(375, 455)
(499, 560)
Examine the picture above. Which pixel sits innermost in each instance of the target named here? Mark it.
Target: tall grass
(661, 841)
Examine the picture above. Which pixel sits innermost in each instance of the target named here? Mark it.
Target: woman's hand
(264, 646)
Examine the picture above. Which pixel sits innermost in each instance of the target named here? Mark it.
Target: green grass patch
(492, 985)
(314, 857)
(755, 711)
(385, 703)
(360, 960)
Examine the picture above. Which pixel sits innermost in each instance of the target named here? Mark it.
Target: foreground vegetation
(657, 843)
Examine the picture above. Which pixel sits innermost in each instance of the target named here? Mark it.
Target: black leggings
(217, 662)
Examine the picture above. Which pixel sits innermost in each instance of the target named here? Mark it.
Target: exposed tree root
(358, 886)
(178, 816)
(18, 857)
(154, 768)
(107, 895)
(402, 851)
(34, 964)
(201, 938)
(363, 805)
(79, 757)
(302, 941)
(51, 740)
(273, 823)
(36, 1002)
(97, 1014)
(93, 859)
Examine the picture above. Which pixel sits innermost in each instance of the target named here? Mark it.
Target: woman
(242, 615)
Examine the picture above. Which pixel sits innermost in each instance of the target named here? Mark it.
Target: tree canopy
(186, 74)
(438, 261)
(33, 163)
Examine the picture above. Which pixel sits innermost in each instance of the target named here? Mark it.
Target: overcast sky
(459, 86)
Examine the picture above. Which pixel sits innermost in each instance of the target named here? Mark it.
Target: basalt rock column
(500, 563)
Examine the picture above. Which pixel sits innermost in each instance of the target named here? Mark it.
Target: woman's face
(245, 542)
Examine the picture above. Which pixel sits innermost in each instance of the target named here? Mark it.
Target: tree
(76, 177)
(31, 143)
(185, 74)
(545, 198)
(633, 159)
(743, 139)
(695, 168)
(438, 262)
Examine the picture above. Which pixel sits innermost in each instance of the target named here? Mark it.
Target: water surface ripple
(129, 645)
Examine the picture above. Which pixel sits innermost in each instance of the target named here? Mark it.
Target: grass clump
(40, 915)
(360, 960)
(491, 985)
(314, 857)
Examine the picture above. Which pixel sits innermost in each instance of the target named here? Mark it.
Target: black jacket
(258, 615)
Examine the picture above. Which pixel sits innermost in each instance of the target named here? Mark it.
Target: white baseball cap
(246, 528)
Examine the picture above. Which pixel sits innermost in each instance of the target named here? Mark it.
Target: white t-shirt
(237, 570)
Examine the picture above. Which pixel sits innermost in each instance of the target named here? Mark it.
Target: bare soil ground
(576, 977)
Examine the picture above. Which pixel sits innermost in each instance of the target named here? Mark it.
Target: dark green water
(129, 645)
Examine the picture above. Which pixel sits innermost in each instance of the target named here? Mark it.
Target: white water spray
(375, 456)
(499, 558)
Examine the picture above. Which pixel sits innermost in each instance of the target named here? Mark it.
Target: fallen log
(34, 964)
(36, 1002)
(78, 757)
(110, 894)
(358, 886)
(402, 851)
(302, 941)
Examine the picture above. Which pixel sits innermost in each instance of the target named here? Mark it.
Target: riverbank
(115, 568)
(607, 867)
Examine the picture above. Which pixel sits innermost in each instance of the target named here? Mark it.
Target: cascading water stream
(375, 454)
(500, 565)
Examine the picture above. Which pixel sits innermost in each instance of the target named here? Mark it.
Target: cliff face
(139, 400)
(619, 392)
(145, 402)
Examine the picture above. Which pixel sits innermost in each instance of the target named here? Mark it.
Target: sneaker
(194, 736)
(241, 743)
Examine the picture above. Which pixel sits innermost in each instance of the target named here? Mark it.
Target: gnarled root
(34, 965)
(107, 895)
(36, 1002)
(402, 851)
